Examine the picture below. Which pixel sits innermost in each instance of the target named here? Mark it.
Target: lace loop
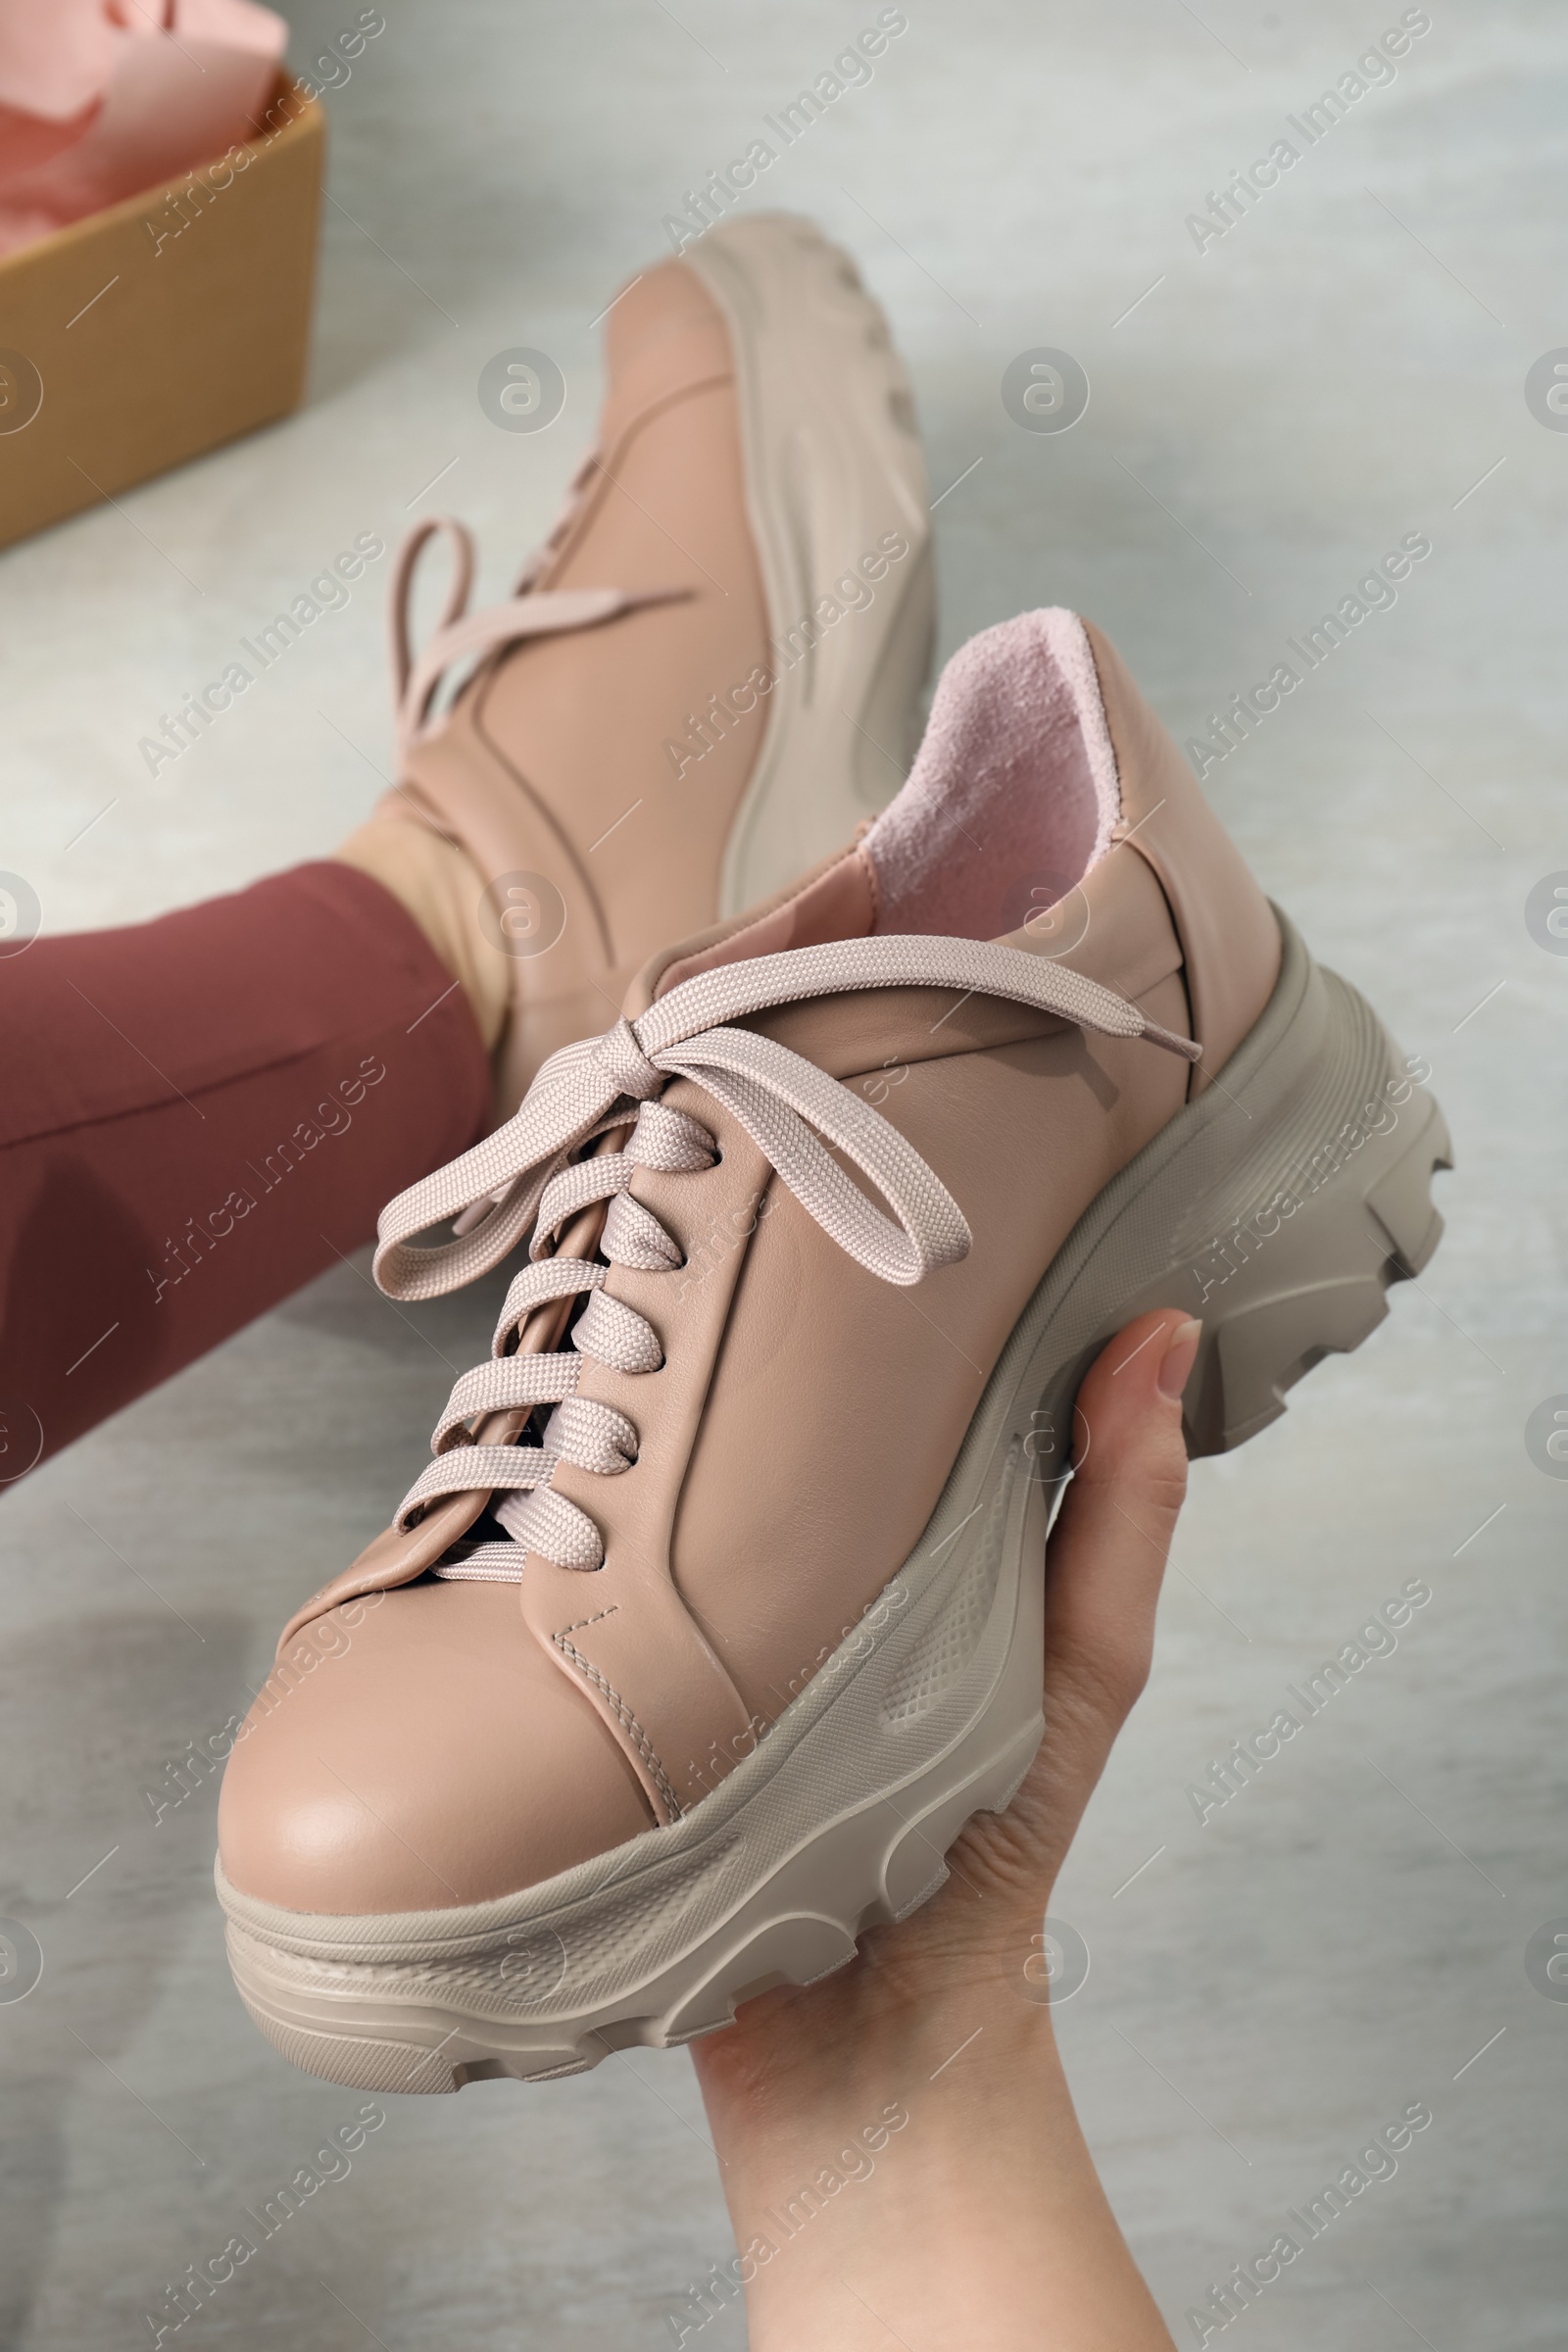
(634, 1237)
(529, 612)
(618, 1336)
(405, 566)
(545, 1523)
(670, 1140)
(595, 1436)
(779, 1099)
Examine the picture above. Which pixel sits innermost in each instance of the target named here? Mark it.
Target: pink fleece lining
(1014, 792)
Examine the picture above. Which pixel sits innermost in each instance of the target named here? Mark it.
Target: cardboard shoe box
(161, 326)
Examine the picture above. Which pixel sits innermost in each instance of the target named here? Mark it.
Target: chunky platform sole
(835, 479)
(1280, 1205)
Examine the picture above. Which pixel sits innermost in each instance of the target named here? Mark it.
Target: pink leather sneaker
(711, 672)
(717, 1612)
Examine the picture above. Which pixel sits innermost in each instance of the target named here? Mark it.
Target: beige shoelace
(527, 1173)
(461, 635)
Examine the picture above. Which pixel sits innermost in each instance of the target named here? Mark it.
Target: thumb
(1107, 1555)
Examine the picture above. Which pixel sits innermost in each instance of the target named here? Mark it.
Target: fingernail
(1176, 1364)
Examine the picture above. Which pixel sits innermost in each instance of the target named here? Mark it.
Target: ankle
(440, 887)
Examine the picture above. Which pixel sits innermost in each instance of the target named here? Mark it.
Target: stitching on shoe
(624, 1715)
(596, 1619)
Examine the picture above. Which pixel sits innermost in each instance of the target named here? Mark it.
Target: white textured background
(1340, 369)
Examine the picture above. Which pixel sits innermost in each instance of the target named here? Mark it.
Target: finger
(1107, 1552)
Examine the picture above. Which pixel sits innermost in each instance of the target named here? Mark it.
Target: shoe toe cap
(428, 1755)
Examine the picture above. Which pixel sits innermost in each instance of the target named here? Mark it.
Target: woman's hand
(901, 2156)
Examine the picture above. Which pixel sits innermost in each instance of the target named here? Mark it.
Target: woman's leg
(198, 1115)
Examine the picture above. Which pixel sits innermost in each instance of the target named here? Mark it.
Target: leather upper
(794, 1442)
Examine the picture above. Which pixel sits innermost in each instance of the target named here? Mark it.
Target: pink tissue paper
(100, 99)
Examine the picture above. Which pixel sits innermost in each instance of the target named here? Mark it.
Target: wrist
(899, 2152)
(849, 2156)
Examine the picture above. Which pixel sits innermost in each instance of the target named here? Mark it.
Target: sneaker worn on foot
(710, 671)
(716, 1615)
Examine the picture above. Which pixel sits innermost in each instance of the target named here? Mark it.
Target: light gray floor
(1340, 369)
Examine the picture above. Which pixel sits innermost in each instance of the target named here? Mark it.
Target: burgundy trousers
(197, 1115)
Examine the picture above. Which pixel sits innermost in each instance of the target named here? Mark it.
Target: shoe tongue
(1013, 795)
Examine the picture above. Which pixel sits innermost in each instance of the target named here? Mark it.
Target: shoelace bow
(528, 612)
(527, 1173)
